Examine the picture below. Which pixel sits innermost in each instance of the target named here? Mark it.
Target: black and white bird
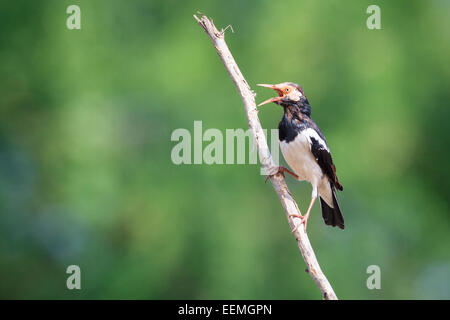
(306, 151)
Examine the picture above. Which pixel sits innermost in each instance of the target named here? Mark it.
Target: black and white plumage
(306, 151)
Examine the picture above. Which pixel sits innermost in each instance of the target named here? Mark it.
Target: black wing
(322, 154)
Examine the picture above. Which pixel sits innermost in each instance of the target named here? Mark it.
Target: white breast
(298, 156)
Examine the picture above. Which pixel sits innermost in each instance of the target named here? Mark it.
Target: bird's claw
(271, 175)
(281, 170)
(304, 221)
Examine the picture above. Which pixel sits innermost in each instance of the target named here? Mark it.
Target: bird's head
(289, 93)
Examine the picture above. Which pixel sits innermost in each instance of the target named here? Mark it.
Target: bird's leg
(282, 170)
(306, 216)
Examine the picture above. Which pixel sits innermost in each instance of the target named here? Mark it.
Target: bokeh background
(86, 176)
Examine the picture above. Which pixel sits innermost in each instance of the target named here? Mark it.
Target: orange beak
(274, 99)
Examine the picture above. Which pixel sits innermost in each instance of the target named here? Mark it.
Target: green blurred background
(86, 176)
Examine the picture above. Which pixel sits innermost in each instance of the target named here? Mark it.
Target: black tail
(332, 216)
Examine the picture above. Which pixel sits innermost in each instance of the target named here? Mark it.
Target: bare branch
(290, 206)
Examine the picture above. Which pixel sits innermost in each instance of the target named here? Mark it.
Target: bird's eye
(287, 90)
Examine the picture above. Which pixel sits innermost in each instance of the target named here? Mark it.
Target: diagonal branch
(278, 182)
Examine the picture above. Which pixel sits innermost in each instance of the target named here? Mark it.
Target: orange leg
(305, 219)
(282, 170)
(306, 216)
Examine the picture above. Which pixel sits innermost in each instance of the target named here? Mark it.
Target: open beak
(274, 99)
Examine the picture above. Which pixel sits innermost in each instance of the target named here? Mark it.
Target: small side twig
(290, 206)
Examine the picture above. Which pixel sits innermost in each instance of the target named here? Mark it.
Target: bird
(306, 151)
